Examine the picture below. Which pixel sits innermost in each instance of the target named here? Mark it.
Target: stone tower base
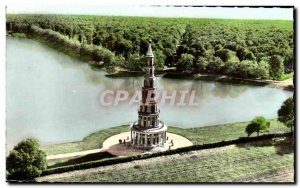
(148, 138)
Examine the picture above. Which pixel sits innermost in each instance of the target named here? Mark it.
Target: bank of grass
(217, 133)
(92, 141)
(19, 35)
(286, 76)
(226, 79)
(199, 135)
(264, 160)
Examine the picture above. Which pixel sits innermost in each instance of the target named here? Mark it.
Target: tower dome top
(149, 51)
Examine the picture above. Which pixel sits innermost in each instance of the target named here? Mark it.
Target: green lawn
(286, 76)
(244, 161)
(217, 133)
(19, 35)
(92, 141)
(200, 135)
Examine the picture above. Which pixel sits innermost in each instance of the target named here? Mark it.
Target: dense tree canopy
(186, 62)
(240, 48)
(276, 66)
(246, 48)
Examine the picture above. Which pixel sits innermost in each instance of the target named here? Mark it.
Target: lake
(55, 98)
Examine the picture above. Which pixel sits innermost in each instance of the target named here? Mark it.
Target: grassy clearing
(243, 161)
(93, 141)
(286, 76)
(211, 134)
(199, 135)
(19, 35)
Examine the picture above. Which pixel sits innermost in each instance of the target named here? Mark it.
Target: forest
(260, 49)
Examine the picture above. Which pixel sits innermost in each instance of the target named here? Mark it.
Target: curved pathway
(110, 143)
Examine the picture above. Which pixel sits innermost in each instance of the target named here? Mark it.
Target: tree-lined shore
(252, 49)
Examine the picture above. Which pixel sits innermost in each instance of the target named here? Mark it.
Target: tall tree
(159, 61)
(186, 63)
(257, 125)
(286, 113)
(276, 66)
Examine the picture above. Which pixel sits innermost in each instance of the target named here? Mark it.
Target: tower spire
(149, 52)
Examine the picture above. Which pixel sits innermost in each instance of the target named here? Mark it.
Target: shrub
(246, 68)
(257, 124)
(216, 65)
(25, 161)
(230, 67)
(262, 70)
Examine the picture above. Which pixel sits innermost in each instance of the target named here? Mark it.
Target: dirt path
(113, 141)
(282, 84)
(74, 154)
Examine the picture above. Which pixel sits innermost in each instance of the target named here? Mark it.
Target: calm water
(55, 98)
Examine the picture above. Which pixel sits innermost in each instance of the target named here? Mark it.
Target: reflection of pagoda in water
(148, 131)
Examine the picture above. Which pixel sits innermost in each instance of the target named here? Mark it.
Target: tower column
(151, 140)
(159, 138)
(138, 139)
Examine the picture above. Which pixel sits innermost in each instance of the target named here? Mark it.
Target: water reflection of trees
(129, 84)
(204, 89)
(223, 90)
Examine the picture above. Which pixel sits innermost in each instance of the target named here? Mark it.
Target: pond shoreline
(197, 135)
(171, 72)
(286, 84)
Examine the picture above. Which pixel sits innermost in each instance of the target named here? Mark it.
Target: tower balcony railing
(148, 113)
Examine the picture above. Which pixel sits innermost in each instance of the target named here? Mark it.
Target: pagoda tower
(148, 131)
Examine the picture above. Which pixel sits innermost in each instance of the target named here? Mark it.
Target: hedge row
(63, 43)
(117, 160)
